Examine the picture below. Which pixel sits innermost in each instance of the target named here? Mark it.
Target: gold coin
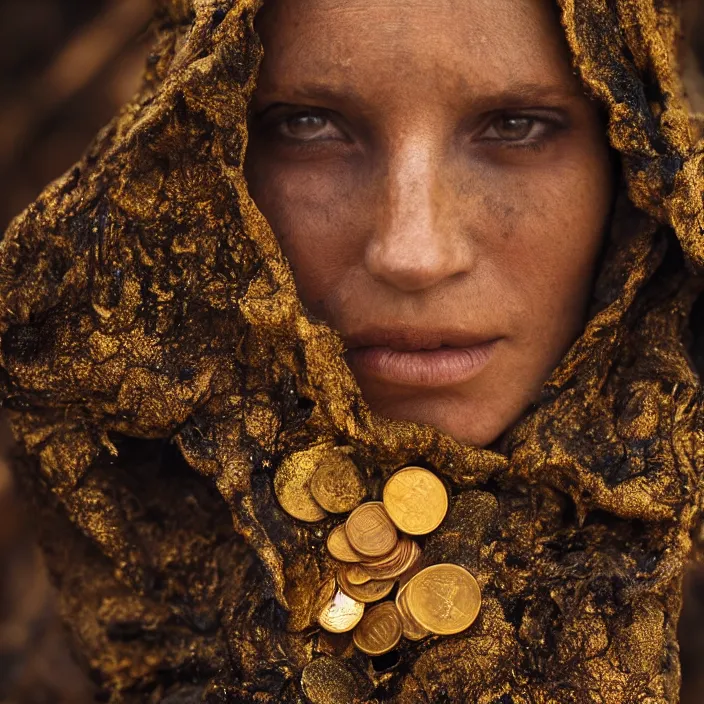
(416, 500)
(337, 484)
(380, 630)
(443, 599)
(355, 574)
(331, 680)
(339, 547)
(370, 530)
(325, 593)
(411, 628)
(341, 613)
(395, 563)
(365, 593)
(292, 485)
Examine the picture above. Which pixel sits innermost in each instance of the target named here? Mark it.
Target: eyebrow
(527, 92)
(320, 91)
(542, 89)
(515, 94)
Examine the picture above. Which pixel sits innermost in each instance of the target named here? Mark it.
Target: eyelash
(550, 126)
(547, 127)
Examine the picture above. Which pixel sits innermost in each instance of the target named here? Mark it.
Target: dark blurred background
(66, 66)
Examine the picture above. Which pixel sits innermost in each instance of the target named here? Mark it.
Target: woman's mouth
(441, 366)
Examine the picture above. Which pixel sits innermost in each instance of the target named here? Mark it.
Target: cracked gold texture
(158, 368)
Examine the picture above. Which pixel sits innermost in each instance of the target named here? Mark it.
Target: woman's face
(440, 185)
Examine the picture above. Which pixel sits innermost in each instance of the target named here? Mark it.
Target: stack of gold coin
(375, 550)
(411, 628)
(371, 552)
(374, 554)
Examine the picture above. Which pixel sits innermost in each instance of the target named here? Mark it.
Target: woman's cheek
(552, 226)
(569, 246)
(318, 220)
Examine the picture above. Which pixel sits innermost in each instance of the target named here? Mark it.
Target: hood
(158, 368)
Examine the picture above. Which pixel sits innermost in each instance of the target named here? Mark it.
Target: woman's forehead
(468, 43)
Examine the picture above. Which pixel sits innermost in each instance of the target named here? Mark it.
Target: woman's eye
(507, 128)
(309, 126)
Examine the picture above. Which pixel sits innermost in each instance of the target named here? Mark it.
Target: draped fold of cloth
(158, 366)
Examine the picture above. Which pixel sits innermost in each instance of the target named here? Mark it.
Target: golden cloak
(158, 367)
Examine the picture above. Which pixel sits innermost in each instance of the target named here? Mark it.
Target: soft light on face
(440, 186)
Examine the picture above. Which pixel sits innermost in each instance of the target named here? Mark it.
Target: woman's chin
(454, 416)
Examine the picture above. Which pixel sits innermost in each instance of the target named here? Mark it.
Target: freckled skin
(452, 174)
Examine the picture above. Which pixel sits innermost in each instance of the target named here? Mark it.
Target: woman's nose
(418, 239)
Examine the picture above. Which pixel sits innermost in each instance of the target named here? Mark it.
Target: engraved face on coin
(339, 547)
(337, 484)
(367, 592)
(443, 599)
(341, 613)
(370, 530)
(292, 485)
(380, 630)
(416, 500)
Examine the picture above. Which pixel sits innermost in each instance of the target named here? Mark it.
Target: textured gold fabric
(158, 367)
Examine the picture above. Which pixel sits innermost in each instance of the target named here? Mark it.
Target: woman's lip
(414, 338)
(443, 366)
